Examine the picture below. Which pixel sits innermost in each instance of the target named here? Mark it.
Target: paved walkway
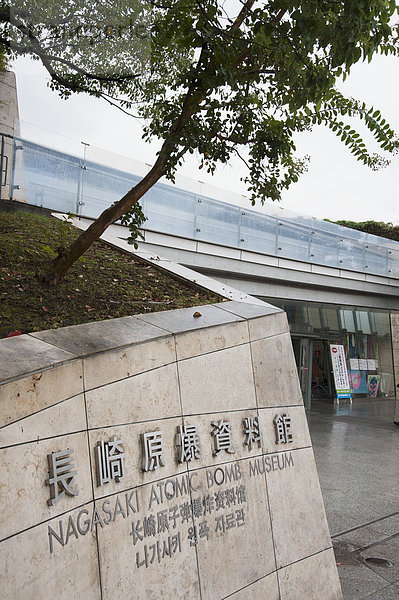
(357, 453)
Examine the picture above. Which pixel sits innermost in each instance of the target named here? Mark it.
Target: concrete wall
(8, 114)
(266, 276)
(243, 518)
(395, 357)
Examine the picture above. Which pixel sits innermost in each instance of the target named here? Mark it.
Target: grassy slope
(105, 284)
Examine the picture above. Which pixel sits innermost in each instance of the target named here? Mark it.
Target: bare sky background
(336, 185)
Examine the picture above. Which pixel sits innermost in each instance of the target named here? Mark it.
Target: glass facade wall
(365, 335)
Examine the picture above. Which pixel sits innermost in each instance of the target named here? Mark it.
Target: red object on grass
(13, 333)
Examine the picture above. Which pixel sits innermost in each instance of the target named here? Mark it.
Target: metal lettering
(96, 519)
(108, 512)
(221, 479)
(190, 479)
(136, 532)
(229, 472)
(71, 530)
(188, 440)
(86, 522)
(282, 424)
(62, 475)
(153, 497)
(241, 494)
(185, 512)
(160, 486)
(162, 520)
(110, 461)
(209, 504)
(220, 524)
(219, 500)
(252, 431)
(119, 510)
(152, 451)
(197, 508)
(222, 434)
(149, 526)
(159, 550)
(172, 494)
(204, 530)
(230, 496)
(129, 506)
(181, 486)
(253, 468)
(59, 538)
(240, 517)
(192, 536)
(173, 515)
(230, 521)
(289, 460)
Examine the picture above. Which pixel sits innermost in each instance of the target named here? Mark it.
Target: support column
(8, 114)
(395, 358)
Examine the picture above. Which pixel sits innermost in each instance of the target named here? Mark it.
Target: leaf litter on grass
(106, 283)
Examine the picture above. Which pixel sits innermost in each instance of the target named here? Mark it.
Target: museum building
(337, 285)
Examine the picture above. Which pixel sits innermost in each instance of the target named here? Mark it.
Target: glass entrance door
(322, 384)
(303, 354)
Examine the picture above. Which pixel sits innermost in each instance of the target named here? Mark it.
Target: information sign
(340, 371)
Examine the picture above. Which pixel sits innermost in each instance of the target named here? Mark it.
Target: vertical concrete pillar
(395, 355)
(8, 114)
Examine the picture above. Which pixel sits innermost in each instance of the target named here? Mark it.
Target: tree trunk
(67, 257)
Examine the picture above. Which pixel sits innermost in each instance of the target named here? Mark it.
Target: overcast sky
(336, 185)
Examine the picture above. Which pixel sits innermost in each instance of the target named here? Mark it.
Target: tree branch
(242, 15)
(46, 58)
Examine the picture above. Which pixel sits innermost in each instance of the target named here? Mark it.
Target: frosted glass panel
(49, 178)
(376, 259)
(293, 241)
(324, 248)
(351, 255)
(218, 223)
(170, 210)
(89, 183)
(393, 263)
(258, 234)
(101, 187)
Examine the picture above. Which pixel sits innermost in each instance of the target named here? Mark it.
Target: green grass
(104, 284)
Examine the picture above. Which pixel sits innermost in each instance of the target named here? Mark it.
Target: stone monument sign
(160, 456)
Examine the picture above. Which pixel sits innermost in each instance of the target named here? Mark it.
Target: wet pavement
(357, 454)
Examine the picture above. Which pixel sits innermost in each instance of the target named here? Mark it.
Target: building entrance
(314, 369)
(322, 384)
(365, 336)
(303, 350)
